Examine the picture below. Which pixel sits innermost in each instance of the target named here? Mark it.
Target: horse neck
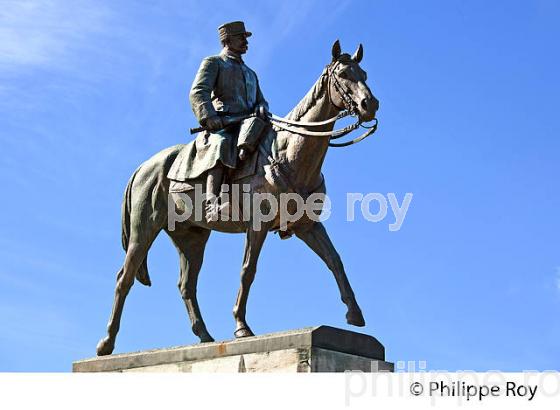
(304, 155)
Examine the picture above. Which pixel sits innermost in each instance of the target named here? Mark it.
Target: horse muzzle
(368, 109)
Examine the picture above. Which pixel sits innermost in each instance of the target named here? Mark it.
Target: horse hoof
(206, 338)
(355, 318)
(243, 332)
(199, 329)
(105, 347)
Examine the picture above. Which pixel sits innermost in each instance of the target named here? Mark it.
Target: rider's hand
(214, 123)
(262, 111)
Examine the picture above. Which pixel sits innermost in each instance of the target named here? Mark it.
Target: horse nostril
(364, 104)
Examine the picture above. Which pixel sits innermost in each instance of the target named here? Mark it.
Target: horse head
(347, 84)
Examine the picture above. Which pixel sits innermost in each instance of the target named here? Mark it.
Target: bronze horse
(342, 86)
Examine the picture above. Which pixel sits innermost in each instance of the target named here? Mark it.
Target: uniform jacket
(225, 85)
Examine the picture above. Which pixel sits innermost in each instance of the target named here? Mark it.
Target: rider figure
(225, 86)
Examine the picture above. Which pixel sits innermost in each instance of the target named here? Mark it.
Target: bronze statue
(288, 158)
(224, 85)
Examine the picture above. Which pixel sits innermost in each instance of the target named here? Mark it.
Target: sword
(226, 120)
(236, 118)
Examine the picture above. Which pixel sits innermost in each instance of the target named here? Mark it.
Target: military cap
(233, 28)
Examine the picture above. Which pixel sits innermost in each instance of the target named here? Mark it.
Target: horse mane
(315, 93)
(310, 99)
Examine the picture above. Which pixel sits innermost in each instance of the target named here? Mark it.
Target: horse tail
(142, 274)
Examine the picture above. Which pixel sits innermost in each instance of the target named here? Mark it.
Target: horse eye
(343, 74)
(362, 74)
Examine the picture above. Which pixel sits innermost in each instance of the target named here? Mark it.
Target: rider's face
(238, 43)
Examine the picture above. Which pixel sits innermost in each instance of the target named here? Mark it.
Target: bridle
(350, 109)
(349, 104)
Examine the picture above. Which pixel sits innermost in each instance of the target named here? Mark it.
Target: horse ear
(357, 57)
(336, 50)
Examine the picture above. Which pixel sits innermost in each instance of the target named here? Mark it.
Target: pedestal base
(314, 349)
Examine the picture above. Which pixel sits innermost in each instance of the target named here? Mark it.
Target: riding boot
(213, 189)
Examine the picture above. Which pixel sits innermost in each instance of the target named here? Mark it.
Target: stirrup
(214, 211)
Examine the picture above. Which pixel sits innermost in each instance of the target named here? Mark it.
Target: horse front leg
(253, 246)
(318, 240)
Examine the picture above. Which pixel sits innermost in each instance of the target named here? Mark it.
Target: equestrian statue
(240, 143)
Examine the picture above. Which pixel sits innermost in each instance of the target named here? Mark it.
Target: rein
(350, 110)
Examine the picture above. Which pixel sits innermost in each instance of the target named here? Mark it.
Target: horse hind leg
(135, 255)
(190, 246)
(143, 231)
(253, 245)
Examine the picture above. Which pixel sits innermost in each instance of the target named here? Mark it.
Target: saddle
(260, 162)
(187, 159)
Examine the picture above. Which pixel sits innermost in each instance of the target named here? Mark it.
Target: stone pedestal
(313, 349)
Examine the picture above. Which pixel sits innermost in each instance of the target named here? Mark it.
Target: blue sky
(468, 124)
